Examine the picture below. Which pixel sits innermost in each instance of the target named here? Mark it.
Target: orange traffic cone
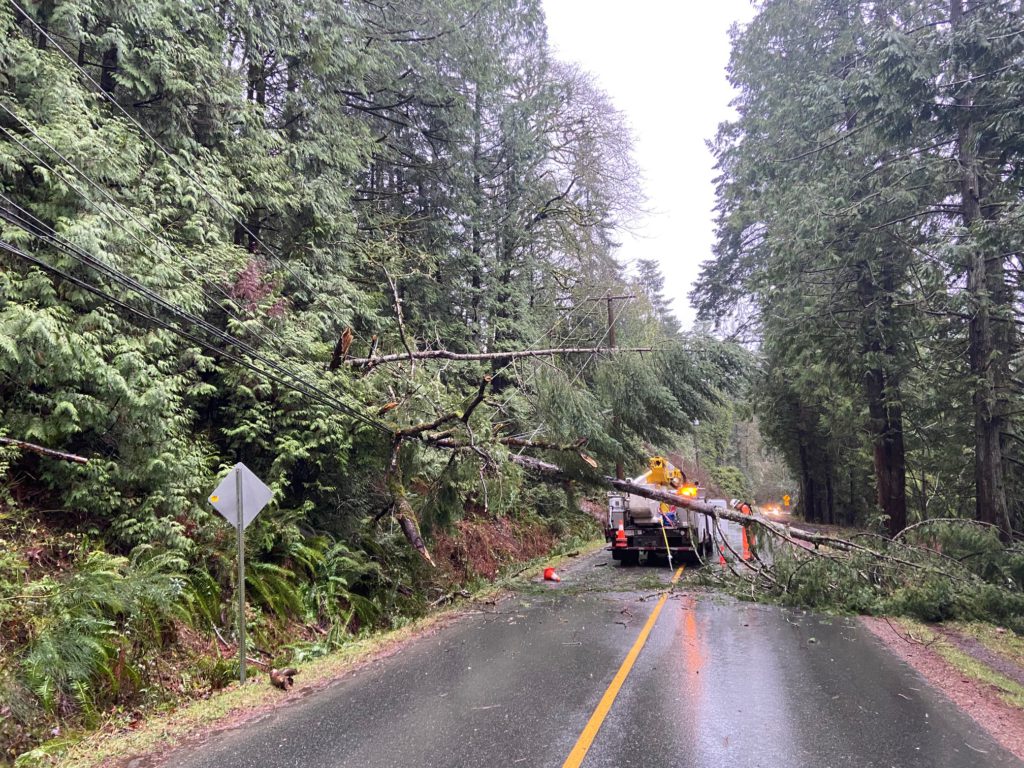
(550, 575)
(620, 538)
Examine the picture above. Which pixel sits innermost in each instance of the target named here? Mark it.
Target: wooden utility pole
(620, 472)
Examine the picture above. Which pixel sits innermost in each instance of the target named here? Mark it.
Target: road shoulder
(923, 649)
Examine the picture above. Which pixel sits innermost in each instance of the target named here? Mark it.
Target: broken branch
(368, 363)
(401, 324)
(404, 512)
(25, 446)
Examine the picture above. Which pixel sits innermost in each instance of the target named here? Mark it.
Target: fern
(107, 606)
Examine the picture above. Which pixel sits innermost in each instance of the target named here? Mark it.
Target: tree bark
(881, 390)
(985, 285)
(109, 67)
(404, 513)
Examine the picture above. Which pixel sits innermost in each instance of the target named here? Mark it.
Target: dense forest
(371, 250)
(869, 242)
(336, 242)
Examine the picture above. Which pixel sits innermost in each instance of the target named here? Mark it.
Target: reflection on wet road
(717, 682)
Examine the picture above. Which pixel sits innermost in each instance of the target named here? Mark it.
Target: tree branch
(401, 323)
(44, 451)
(444, 354)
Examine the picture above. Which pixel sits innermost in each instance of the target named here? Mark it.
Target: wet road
(717, 683)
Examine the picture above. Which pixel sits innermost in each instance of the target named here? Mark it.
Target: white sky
(662, 63)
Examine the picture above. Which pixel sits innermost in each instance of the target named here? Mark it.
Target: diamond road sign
(255, 496)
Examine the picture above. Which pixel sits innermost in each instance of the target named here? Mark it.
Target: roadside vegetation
(369, 250)
(939, 571)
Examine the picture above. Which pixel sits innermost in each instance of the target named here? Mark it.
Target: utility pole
(620, 472)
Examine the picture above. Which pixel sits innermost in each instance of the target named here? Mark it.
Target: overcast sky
(663, 65)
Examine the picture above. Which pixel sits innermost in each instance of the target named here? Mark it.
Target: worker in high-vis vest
(747, 537)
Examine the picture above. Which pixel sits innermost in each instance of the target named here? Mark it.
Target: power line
(181, 166)
(586, 316)
(122, 207)
(105, 215)
(43, 230)
(157, 321)
(299, 384)
(583, 367)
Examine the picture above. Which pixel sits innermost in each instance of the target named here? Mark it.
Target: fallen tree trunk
(892, 553)
(555, 472)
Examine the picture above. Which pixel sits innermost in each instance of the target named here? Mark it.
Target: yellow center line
(604, 706)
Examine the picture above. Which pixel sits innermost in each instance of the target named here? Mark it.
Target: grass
(106, 746)
(117, 742)
(1010, 691)
(1004, 642)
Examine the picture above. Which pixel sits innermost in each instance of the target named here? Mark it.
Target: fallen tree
(934, 570)
(554, 472)
(368, 363)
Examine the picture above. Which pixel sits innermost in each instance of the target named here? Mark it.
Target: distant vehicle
(639, 526)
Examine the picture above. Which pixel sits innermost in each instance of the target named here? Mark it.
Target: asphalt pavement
(717, 683)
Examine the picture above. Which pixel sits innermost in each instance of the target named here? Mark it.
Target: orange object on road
(550, 575)
(620, 538)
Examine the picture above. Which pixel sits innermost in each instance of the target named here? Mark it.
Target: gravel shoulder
(984, 701)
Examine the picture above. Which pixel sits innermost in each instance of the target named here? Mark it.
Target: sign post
(239, 498)
(240, 530)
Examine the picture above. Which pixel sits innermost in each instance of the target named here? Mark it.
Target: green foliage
(88, 626)
(731, 481)
(446, 183)
(942, 571)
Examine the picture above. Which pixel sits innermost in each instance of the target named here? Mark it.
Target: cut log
(283, 678)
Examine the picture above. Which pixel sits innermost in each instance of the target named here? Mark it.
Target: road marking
(604, 706)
